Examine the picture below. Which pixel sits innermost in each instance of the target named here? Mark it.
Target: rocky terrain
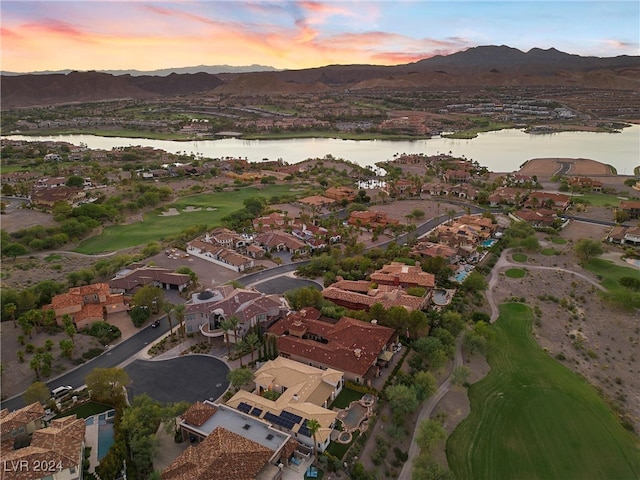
(481, 66)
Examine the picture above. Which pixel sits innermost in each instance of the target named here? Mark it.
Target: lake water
(499, 151)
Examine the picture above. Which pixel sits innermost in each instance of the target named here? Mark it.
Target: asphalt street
(182, 379)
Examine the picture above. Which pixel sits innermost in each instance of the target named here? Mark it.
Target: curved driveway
(182, 379)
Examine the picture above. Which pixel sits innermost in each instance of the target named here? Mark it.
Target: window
(72, 470)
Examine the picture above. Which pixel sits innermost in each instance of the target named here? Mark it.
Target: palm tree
(314, 425)
(226, 325)
(234, 326)
(168, 309)
(180, 309)
(239, 348)
(253, 341)
(10, 309)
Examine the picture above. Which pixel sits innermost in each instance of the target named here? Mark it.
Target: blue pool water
(489, 243)
(461, 276)
(88, 421)
(105, 439)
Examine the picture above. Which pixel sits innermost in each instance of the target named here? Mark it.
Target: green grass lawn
(86, 410)
(599, 199)
(519, 257)
(609, 274)
(532, 418)
(548, 251)
(559, 240)
(345, 397)
(339, 449)
(213, 207)
(515, 273)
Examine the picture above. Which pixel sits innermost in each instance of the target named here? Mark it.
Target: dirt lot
(580, 166)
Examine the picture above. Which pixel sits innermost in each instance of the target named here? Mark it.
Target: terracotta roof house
(483, 223)
(58, 449)
(87, 304)
(340, 193)
(436, 188)
(548, 199)
(384, 295)
(279, 241)
(586, 183)
(317, 201)
(273, 221)
(539, 218)
(405, 276)
(349, 345)
(47, 197)
(457, 176)
(507, 196)
(371, 218)
(305, 393)
(222, 256)
(632, 207)
(207, 310)
(430, 249)
(229, 445)
(226, 238)
(624, 235)
(464, 190)
(51, 182)
(20, 422)
(135, 276)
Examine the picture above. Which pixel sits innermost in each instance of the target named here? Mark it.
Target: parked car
(61, 392)
(155, 324)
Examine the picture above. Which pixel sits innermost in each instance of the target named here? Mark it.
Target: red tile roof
(223, 455)
(352, 345)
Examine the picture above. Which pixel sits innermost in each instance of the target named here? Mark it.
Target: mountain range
(478, 66)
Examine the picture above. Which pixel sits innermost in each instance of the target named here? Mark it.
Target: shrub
(103, 331)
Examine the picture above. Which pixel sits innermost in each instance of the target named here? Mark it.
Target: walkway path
(426, 412)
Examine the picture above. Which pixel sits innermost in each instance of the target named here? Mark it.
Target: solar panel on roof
(291, 416)
(244, 407)
(303, 430)
(256, 412)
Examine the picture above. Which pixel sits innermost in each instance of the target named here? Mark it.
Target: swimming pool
(462, 275)
(489, 243)
(633, 261)
(105, 439)
(104, 424)
(440, 296)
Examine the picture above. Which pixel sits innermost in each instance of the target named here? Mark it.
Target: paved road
(182, 379)
(112, 357)
(564, 169)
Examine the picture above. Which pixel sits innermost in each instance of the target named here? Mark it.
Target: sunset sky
(142, 35)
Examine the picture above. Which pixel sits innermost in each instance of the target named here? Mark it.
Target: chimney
(295, 397)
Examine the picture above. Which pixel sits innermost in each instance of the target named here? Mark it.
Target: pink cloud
(56, 27)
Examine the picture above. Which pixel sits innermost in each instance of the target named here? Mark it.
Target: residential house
(20, 423)
(219, 255)
(585, 183)
(51, 182)
(457, 176)
(371, 219)
(316, 202)
(539, 218)
(507, 196)
(350, 294)
(207, 310)
(280, 241)
(341, 193)
(304, 393)
(58, 451)
(138, 275)
(624, 235)
(273, 221)
(632, 207)
(464, 190)
(229, 445)
(47, 197)
(548, 200)
(349, 345)
(429, 249)
(87, 304)
(436, 188)
(405, 276)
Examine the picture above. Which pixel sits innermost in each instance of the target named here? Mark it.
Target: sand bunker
(191, 208)
(169, 213)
